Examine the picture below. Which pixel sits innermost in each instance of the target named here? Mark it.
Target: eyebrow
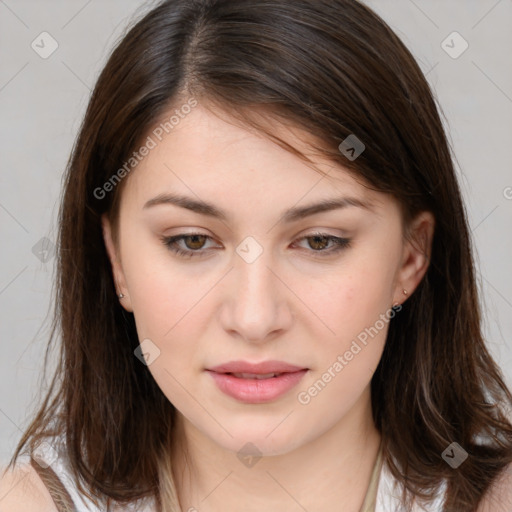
(290, 215)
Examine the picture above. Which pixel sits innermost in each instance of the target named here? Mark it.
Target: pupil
(316, 239)
(195, 238)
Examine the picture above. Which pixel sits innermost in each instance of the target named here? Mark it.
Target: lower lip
(256, 391)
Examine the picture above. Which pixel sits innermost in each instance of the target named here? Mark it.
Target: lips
(256, 383)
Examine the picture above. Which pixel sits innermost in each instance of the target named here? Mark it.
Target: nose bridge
(256, 307)
(254, 280)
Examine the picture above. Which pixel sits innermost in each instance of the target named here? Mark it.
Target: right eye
(194, 243)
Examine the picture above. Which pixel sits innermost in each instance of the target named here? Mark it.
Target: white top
(54, 455)
(389, 493)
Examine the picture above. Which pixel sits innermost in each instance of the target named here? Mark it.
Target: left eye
(194, 243)
(319, 241)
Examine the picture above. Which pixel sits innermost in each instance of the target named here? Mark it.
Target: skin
(290, 304)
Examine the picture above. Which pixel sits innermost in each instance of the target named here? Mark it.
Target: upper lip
(256, 368)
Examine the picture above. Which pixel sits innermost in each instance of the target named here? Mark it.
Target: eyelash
(170, 242)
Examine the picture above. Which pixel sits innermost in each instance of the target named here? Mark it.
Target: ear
(415, 256)
(115, 261)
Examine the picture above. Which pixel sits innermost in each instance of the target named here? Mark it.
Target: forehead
(208, 154)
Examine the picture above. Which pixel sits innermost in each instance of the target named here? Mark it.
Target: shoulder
(21, 490)
(498, 497)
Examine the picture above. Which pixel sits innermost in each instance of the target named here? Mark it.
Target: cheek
(351, 298)
(354, 302)
(357, 311)
(164, 297)
(168, 310)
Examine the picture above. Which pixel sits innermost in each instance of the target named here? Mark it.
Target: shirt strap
(370, 499)
(55, 487)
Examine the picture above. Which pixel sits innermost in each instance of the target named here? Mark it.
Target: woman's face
(264, 276)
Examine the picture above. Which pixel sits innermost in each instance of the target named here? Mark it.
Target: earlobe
(416, 254)
(117, 271)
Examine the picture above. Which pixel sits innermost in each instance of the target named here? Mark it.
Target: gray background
(42, 102)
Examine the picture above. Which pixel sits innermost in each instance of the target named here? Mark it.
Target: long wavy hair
(334, 68)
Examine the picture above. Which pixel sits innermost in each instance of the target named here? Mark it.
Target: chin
(258, 440)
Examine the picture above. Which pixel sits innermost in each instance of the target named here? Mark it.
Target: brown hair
(334, 68)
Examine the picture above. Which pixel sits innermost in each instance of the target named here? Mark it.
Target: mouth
(257, 376)
(253, 386)
(264, 368)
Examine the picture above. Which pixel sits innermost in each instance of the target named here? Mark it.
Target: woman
(266, 288)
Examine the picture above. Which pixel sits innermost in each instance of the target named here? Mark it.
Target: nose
(256, 306)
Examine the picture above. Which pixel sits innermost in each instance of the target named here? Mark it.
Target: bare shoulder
(498, 498)
(21, 490)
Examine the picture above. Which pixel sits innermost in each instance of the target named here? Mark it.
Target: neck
(329, 473)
